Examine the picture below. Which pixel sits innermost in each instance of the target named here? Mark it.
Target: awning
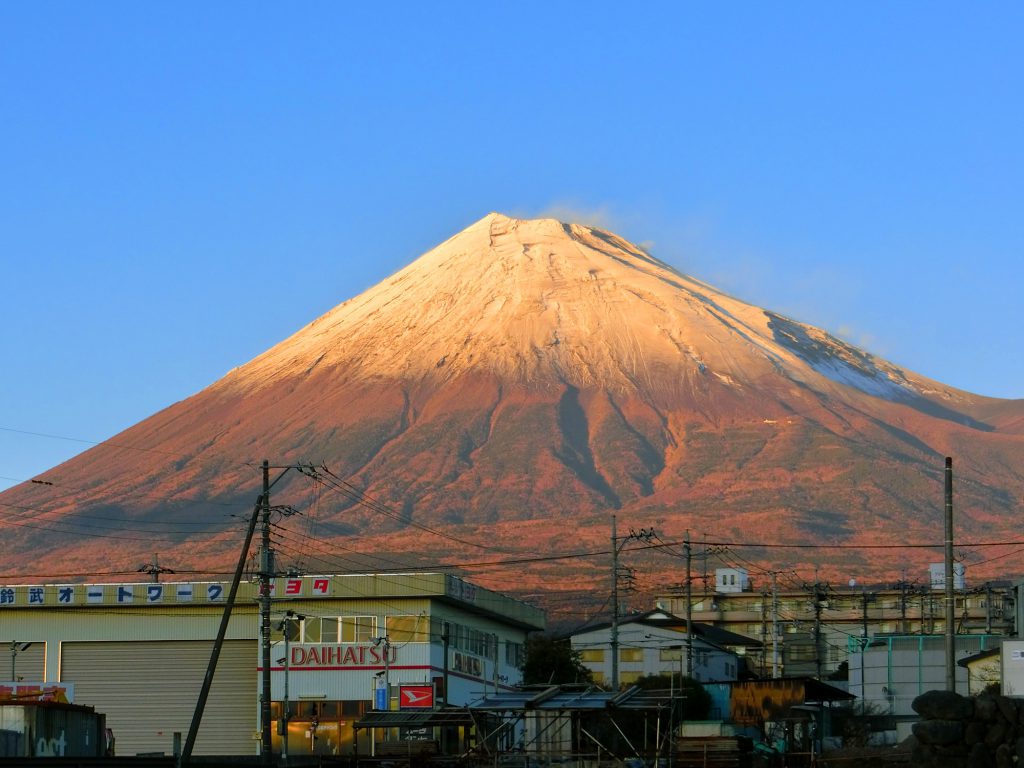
(427, 718)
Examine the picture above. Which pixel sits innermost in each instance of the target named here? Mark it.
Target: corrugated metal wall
(148, 690)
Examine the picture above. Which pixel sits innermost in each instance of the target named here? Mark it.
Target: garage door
(148, 690)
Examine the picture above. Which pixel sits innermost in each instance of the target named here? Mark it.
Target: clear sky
(185, 184)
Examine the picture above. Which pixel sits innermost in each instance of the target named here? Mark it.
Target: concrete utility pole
(820, 593)
(261, 509)
(950, 605)
(211, 668)
(865, 598)
(266, 575)
(617, 545)
(775, 625)
(689, 606)
(615, 608)
(286, 708)
(988, 608)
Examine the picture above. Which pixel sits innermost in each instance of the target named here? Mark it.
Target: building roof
(414, 719)
(570, 697)
(966, 661)
(665, 620)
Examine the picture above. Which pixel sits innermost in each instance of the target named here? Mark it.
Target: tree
(552, 660)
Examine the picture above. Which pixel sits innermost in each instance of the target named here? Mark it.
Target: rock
(985, 708)
(939, 732)
(1007, 708)
(974, 732)
(996, 734)
(980, 757)
(943, 705)
(1004, 756)
(924, 756)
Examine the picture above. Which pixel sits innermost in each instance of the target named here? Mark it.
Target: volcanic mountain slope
(510, 390)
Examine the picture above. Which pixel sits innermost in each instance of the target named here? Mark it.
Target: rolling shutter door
(148, 690)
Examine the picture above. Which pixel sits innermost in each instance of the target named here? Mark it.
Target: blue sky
(185, 184)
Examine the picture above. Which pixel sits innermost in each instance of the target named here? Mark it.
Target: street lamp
(16, 648)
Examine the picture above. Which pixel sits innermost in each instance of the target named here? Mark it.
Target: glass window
(359, 629)
(311, 630)
(329, 630)
(670, 654)
(513, 654)
(592, 655)
(408, 629)
(631, 654)
(629, 677)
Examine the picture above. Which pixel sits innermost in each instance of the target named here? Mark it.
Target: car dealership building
(343, 645)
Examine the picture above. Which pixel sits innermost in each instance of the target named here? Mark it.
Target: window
(514, 655)
(631, 654)
(597, 677)
(310, 630)
(329, 630)
(359, 629)
(801, 653)
(407, 629)
(625, 678)
(592, 656)
(670, 654)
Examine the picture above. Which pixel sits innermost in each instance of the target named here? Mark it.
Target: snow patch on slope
(837, 360)
(874, 382)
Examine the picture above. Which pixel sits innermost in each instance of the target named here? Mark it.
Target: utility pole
(903, 606)
(775, 625)
(988, 608)
(617, 544)
(689, 605)
(615, 608)
(286, 708)
(446, 642)
(765, 594)
(950, 605)
(266, 575)
(865, 598)
(154, 569)
(211, 667)
(261, 509)
(820, 593)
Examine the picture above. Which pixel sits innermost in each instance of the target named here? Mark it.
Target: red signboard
(416, 696)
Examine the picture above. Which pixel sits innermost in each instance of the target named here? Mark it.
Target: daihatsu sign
(339, 656)
(416, 696)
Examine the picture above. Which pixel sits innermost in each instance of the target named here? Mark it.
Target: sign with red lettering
(340, 656)
(416, 696)
(63, 693)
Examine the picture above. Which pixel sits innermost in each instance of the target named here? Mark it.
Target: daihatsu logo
(416, 696)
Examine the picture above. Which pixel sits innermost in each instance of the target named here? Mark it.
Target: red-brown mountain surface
(500, 398)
